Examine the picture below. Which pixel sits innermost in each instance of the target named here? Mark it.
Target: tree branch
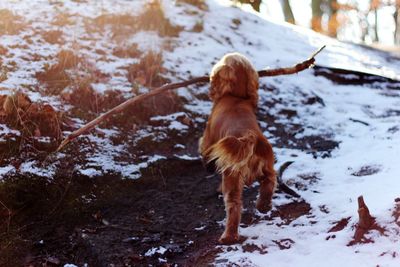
(203, 79)
(281, 184)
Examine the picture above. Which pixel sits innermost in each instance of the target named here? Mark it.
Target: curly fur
(234, 75)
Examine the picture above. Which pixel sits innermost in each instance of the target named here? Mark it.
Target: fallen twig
(281, 185)
(359, 121)
(203, 79)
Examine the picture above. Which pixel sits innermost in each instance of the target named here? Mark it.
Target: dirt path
(168, 216)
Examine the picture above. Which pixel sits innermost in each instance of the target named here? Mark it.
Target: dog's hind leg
(267, 188)
(232, 187)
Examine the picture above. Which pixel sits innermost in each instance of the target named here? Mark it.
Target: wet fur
(233, 141)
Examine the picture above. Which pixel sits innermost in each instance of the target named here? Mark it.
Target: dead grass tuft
(53, 37)
(31, 119)
(130, 51)
(148, 72)
(201, 4)
(55, 77)
(10, 23)
(3, 50)
(63, 19)
(152, 19)
(198, 27)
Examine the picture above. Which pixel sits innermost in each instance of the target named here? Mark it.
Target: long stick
(203, 79)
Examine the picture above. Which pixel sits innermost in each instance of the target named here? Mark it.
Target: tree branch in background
(263, 73)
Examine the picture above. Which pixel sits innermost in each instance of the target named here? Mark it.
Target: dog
(233, 141)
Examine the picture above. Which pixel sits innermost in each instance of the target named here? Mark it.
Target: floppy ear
(222, 79)
(252, 86)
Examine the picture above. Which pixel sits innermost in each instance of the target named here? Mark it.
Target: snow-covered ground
(372, 144)
(375, 146)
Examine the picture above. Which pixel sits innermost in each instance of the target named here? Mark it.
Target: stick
(281, 185)
(294, 69)
(203, 79)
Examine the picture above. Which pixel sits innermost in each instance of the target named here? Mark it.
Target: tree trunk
(397, 23)
(333, 23)
(316, 15)
(287, 12)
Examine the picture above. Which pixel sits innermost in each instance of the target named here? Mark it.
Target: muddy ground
(175, 205)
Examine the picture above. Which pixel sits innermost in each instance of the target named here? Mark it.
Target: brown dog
(234, 142)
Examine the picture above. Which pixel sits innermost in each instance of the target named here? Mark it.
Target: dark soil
(107, 220)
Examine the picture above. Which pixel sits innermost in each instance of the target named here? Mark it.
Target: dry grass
(3, 75)
(63, 19)
(148, 72)
(130, 51)
(53, 37)
(10, 23)
(55, 77)
(198, 27)
(3, 50)
(31, 119)
(152, 19)
(201, 4)
(87, 100)
(72, 78)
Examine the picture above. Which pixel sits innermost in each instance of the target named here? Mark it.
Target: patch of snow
(33, 167)
(160, 250)
(90, 172)
(187, 157)
(5, 170)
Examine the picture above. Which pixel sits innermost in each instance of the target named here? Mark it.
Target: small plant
(3, 50)
(153, 19)
(62, 19)
(198, 27)
(10, 23)
(130, 51)
(201, 4)
(55, 77)
(31, 119)
(53, 37)
(148, 72)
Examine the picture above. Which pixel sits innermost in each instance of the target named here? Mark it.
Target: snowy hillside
(339, 123)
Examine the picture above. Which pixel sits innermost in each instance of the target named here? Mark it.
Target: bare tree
(287, 12)
(316, 20)
(396, 16)
(333, 23)
(374, 5)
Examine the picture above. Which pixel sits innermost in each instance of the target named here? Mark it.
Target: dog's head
(234, 75)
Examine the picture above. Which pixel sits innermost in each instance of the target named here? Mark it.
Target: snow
(160, 250)
(267, 44)
(338, 188)
(6, 169)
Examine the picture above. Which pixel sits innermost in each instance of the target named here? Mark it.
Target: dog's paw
(263, 207)
(226, 239)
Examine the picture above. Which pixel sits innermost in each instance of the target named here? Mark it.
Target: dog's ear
(252, 86)
(222, 79)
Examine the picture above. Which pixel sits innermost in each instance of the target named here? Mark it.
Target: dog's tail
(233, 154)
